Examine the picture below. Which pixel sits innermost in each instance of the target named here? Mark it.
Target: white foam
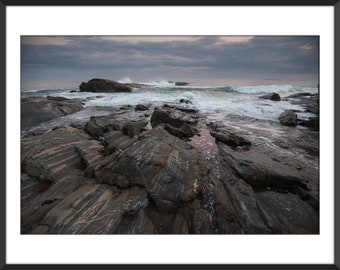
(280, 89)
(125, 80)
(215, 103)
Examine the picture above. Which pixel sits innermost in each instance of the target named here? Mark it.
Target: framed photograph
(170, 135)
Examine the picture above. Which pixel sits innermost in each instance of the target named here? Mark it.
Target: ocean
(215, 98)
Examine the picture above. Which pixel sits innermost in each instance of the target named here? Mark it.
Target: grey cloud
(260, 55)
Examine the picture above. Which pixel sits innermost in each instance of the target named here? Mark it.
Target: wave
(125, 80)
(280, 89)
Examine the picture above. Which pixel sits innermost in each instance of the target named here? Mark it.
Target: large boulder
(103, 85)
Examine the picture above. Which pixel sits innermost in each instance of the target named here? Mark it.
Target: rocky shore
(166, 170)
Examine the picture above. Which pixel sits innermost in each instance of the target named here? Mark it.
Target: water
(215, 99)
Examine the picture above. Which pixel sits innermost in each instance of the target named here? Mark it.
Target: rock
(230, 139)
(299, 95)
(107, 214)
(178, 123)
(312, 123)
(288, 118)
(309, 102)
(171, 116)
(141, 107)
(120, 177)
(36, 110)
(185, 131)
(260, 170)
(181, 83)
(187, 101)
(133, 128)
(165, 166)
(126, 121)
(271, 96)
(103, 85)
(296, 216)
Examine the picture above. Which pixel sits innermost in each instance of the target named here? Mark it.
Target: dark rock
(133, 128)
(296, 216)
(132, 180)
(103, 85)
(181, 83)
(313, 108)
(185, 131)
(96, 127)
(185, 101)
(106, 215)
(141, 107)
(36, 110)
(312, 123)
(178, 122)
(309, 102)
(260, 171)
(187, 110)
(271, 96)
(162, 164)
(126, 121)
(299, 95)
(230, 139)
(288, 118)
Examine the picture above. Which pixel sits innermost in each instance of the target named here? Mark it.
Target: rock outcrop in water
(129, 172)
(103, 85)
(271, 96)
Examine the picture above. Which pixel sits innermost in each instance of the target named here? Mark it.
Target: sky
(145, 58)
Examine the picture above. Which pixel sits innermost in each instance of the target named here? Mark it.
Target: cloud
(196, 55)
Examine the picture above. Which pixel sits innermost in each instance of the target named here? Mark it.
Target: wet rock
(288, 118)
(133, 128)
(230, 139)
(103, 85)
(126, 121)
(51, 153)
(105, 215)
(162, 164)
(141, 107)
(186, 101)
(299, 95)
(36, 110)
(178, 123)
(312, 123)
(271, 96)
(119, 177)
(295, 215)
(260, 170)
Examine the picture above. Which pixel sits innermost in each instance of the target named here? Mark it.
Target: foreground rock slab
(125, 173)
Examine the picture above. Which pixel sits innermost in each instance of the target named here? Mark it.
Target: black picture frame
(4, 132)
